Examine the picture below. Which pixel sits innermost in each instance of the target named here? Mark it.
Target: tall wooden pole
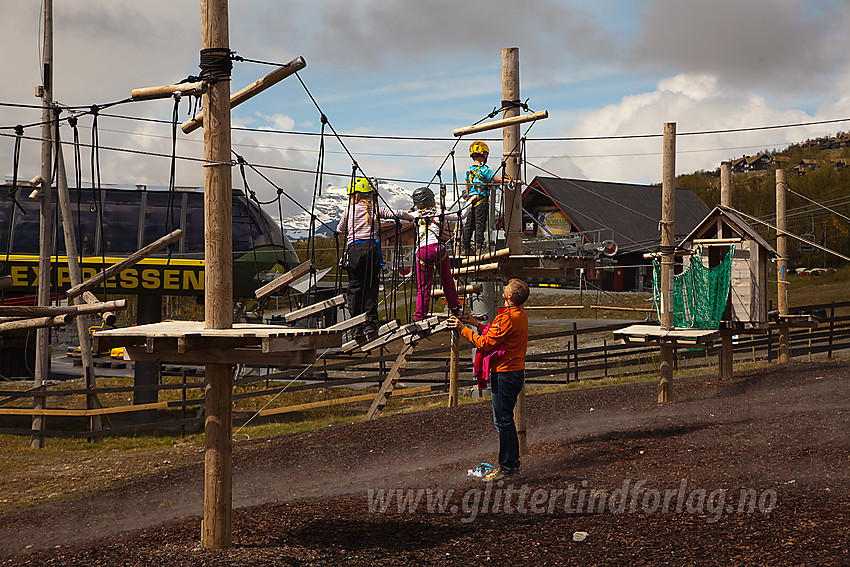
(782, 267)
(76, 275)
(727, 353)
(218, 286)
(511, 154)
(42, 336)
(668, 241)
(726, 183)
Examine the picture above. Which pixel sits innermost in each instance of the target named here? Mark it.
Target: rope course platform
(190, 343)
(656, 335)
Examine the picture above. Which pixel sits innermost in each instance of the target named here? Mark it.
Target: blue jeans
(505, 388)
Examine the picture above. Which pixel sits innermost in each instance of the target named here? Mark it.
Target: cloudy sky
(402, 69)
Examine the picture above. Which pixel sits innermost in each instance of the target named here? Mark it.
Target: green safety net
(700, 294)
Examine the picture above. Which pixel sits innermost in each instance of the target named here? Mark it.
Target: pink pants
(426, 258)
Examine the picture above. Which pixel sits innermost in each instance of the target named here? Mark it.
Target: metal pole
(668, 241)
(45, 231)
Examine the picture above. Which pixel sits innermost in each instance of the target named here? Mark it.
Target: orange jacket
(510, 328)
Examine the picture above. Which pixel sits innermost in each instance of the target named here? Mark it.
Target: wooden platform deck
(654, 334)
(190, 343)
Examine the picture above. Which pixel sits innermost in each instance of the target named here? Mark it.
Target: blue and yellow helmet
(359, 185)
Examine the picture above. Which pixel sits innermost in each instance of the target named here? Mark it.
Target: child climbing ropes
(431, 252)
(510, 330)
(360, 223)
(479, 177)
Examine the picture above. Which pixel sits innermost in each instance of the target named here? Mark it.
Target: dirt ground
(750, 471)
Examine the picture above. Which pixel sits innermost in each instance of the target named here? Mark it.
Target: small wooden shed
(748, 296)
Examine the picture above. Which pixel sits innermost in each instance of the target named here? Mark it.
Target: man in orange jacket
(510, 329)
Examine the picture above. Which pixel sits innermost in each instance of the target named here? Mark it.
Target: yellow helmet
(479, 148)
(359, 185)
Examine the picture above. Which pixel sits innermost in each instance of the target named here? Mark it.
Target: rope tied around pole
(215, 64)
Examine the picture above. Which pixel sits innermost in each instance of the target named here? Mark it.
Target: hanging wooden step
(390, 382)
(314, 308)
(284, 280)
(383, 331)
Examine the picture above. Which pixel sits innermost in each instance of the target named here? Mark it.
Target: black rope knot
(19, 130)
(216, 64)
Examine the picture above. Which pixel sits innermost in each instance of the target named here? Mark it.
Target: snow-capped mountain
(332, 203)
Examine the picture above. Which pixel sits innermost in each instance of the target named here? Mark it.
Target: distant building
(628, 214)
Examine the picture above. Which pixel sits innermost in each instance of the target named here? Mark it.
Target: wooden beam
(314, 308)
(253, 89)
(487, 256)
(5, 282)
(36, 323)
(108, 317)
(386, 389)
(463, 290)
(165, 91)
(338, 401)
(472, 269)
(221, 357)
(512, 121)
(350, 322)
(41, 311)
(385, 335)
(118, 267)
(284, 280)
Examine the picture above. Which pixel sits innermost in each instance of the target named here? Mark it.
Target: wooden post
(511, 149)
(726, 183)
(727, 354)
(45, 227)
(668, 241)
(76, 275)
(454, 367)
(511, 152)
(218, 288)
(782, 268)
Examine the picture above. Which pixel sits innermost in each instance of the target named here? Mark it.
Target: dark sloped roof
(631, 211)
(733, 219)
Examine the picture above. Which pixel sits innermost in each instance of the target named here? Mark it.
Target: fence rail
(564, 361)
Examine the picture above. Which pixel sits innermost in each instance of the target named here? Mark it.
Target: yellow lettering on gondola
(130, 279)
(193, 279)
(19, 276)
(150, 279)
(63, 276)
(171, 279)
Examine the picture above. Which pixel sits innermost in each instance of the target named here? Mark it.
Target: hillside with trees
(818, 169)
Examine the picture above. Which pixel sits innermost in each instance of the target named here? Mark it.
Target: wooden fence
(553, 358)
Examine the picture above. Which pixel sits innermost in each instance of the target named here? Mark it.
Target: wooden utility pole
(218, 273)
(45, 231)
(782, 268)
(511, 154)
(668, 241)
(727, 361)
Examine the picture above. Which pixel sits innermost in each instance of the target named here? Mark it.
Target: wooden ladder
(390, 382)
